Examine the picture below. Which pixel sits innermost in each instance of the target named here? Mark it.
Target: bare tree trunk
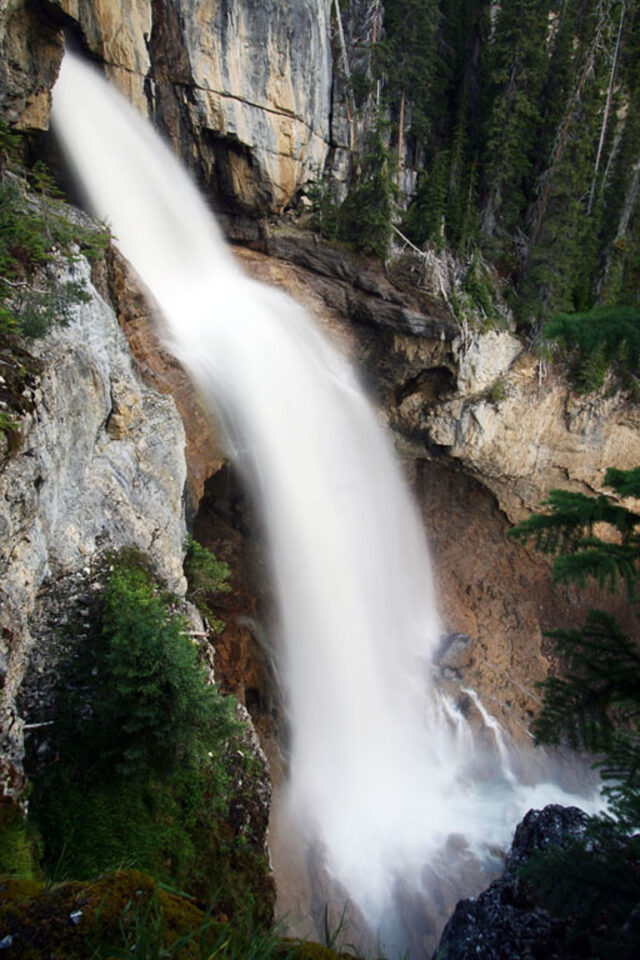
(630, 201)
(607, 111)
(401, 136)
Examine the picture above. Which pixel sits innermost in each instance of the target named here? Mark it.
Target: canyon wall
(241, 90)
(255, 99)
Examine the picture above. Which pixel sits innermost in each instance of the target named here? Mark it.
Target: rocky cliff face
(100, 466)
(484, 435)
(242, 90)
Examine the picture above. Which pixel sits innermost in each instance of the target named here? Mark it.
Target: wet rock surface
(506, 921)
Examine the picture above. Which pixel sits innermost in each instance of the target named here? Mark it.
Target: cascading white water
(383, 767)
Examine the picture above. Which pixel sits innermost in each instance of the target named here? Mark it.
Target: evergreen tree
(566, 242)
(596, 703)
(140, 742)
(425, 219)
(621, 216)
(408, 56)
(517, 65)
(597, 340)
(364, 218)
(594, 884)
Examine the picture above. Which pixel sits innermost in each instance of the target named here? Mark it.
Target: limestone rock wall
(101, 465)
(511, 422)
(242, 89)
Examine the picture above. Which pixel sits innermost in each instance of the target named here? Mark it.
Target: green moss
(126, 914)
(19, 844)
(19, 372)
(498, 391)
(75, 921)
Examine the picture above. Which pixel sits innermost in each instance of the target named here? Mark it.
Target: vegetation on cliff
(38, 233)
(595, 706)
(40, 239)
(143, 754)
(127, 914)
(523, 123)
(146, 765)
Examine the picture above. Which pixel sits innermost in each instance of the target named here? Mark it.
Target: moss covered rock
(73, 921)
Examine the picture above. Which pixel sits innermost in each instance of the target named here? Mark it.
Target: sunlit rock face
(241, 89)
(517, 426)
(258, 96)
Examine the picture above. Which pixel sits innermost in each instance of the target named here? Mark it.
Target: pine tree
(621, 216)
(595, 705)
(364, 218)
(574, 198)
(593, 885)
(426, 217)
(598, 340)
(408, 55)
(517, 65)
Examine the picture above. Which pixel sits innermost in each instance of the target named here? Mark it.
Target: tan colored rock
(203, 451)
(117, 33)
(485, 360)
(536, 436)
(251, 67)
(241, 90)
(30, 52)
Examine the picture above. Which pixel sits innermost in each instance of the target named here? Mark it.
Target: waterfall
(384, 770)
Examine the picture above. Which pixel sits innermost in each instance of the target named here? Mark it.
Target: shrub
(37, 235)
(140, 744)
(596, 340)
(364, 218)
(206, 577)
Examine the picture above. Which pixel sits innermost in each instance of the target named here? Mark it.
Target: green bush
(206, 577)
(37, 234)
(364, 218)
(140, 745)
(19, 844)
(596, 340)
(323, 216)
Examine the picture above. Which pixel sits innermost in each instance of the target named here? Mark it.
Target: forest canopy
(522, 123)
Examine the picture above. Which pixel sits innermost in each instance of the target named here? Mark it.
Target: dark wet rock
(454, 655)
(506, 922)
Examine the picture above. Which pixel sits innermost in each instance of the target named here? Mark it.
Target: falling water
(384, 770)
